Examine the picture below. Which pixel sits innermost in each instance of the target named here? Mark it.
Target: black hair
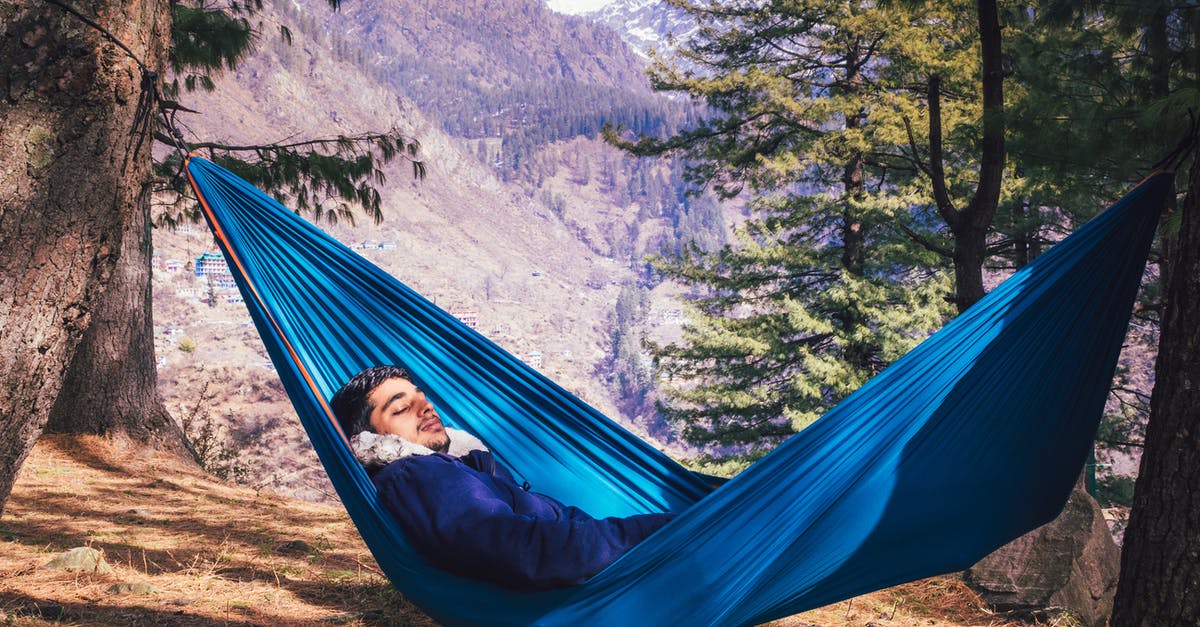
(350, 404)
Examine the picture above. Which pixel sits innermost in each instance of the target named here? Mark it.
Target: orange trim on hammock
(220, 235)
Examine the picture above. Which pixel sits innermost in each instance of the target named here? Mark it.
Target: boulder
(1066, 567)
(294, 547)
(80, 559)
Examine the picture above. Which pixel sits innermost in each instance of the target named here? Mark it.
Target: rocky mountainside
(490, 44)
(513, 70)
(644, 24)
(539, 256)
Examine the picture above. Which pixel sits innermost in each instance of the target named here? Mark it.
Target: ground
(214, 553)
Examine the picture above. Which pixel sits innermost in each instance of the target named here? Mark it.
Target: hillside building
(222, 281)
(467, 316)
(212, 263)
(533, 358)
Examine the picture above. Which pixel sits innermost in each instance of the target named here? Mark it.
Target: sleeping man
(460, 509)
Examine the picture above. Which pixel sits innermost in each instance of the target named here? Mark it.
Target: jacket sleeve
(461, 525)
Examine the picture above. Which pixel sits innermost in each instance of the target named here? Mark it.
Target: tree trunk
(1026, 246)
(1160, 563)
(72, 169)
(970, 251)
(111, 386)
(969, 226)
(854, 234)
(970, 232)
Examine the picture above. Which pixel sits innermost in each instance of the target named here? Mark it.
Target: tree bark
(970, 251)
(111, 385)
(1160, 561)
(72, 169)
(970, 236)
(971, 224)
(854, 234)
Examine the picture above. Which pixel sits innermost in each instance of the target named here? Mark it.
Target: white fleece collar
(374, 450)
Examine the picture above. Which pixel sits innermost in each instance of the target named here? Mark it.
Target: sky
(575, 7)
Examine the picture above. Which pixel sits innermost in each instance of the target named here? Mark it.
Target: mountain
(537, 235)
(487, 69)
(491, 44)
(645, 24)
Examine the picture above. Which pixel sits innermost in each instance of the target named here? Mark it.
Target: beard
(438, 442)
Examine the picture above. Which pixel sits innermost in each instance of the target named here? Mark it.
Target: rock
(1070, 564)
(132, 588)
(80, 559)
(294, 547)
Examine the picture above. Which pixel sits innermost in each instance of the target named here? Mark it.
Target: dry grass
(933, 602)
(219, 554)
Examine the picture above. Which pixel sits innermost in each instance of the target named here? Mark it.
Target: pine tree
(817, 118)
(1159, 569)
(1113, 88)
(770, 346)
(80, 185)
(98, 375)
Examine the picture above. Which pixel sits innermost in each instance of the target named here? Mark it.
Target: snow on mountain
(576, 7)
(644, 24)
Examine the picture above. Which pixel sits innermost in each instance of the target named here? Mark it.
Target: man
(459, 508)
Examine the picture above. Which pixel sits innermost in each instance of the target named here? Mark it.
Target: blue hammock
(972, 439)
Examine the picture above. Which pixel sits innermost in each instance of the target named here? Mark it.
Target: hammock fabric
(972, 439)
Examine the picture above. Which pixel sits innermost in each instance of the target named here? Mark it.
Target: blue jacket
(468, 516)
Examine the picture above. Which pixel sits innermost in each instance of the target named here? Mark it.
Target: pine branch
(925, 242)
(1112, 442)
(308, 143)
(172, 105)
(915, 159)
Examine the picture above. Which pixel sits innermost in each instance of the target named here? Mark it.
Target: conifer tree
(814, 117)
(1106, 96)
(328, 177)
(1113, 88)
(98, 373)
(73, 173)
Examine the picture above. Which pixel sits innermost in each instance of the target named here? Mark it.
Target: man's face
(399, 408)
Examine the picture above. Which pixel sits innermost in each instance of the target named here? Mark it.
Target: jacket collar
(375, 451)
